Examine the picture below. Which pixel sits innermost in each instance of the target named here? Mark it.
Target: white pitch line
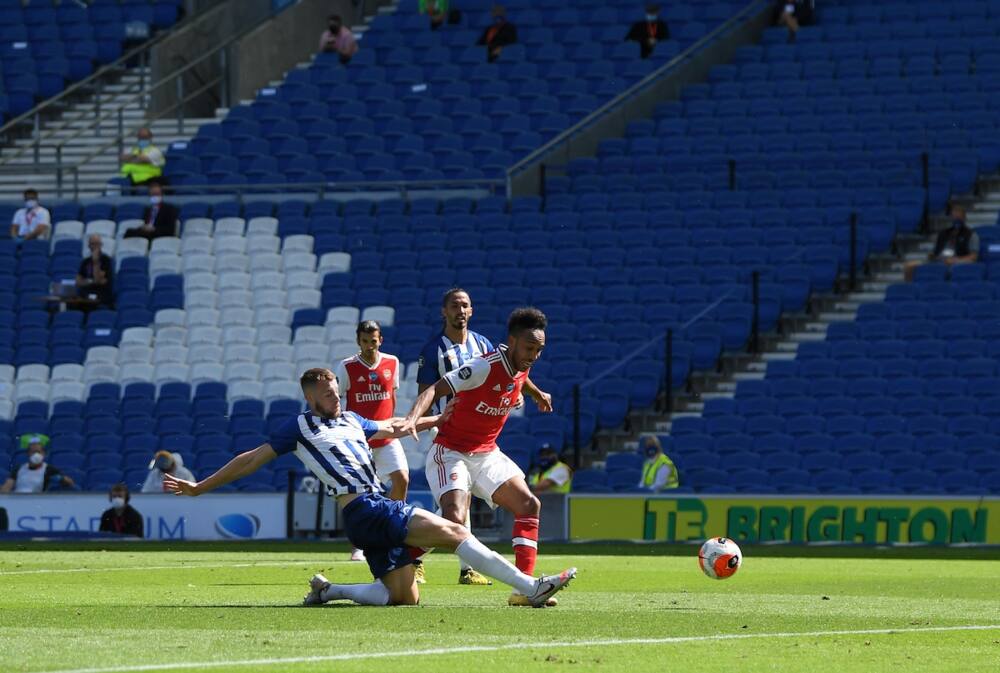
(263, 564)
(518, 646)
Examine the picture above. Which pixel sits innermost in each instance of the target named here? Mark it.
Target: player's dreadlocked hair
(313, 376)
(526, 319)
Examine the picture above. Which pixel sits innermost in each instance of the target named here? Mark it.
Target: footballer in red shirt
(465, 459)
(368, 381)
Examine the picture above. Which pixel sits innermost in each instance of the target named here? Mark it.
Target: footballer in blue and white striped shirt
(333, 445)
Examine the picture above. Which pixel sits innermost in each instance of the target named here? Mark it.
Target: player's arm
(542, 398)
(391, 428)
(424, 400)
(242, 465)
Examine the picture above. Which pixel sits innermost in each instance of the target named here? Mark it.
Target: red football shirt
(370, 391)
(486, 390)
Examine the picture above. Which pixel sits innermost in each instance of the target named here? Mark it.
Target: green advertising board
(800, 519)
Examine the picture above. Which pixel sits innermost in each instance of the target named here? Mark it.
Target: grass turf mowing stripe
(521, 646)
(262, 564)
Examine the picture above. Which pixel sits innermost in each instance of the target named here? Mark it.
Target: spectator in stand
(437, 10)
(658, 472)
(145, 161)
(792, 15)
(163, 463)
(121, 517)
(32, 221)
(649, 31)
(338, 38)
(499, 35)
(159, 218)
(35, 476)
(552, 475)
(958, 244)
(96, 273)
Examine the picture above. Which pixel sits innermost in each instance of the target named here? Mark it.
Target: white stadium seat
(266, 261)
(197, 261)
(298, 261)
(341, 332)
(102, 354)
(67, 230)
(138, 246)
(104, 228)
(171, 334)
(343, 315)
(236, 315)
(136, 373)
(275, 352)
(383, 315)
(202, 316)
(298, 243)
(62, 391)
(204, 334)
(197, 226)
(35, 372)
(199, 280)
(277, 371)
(143, 335)
(166, 317)
(164, 264)
(342, 349)
(201, 299)
(267, 279)
(246, 390)
(239, 352)
(96, 372)
(305, 279)
(6, 408)
(7, 373)
(203, 372)
(237, 334)
(134, 354)
(191, 245)
(229, 245)
(263, 298)
(262, 225)
(125, 225)
(309, 334)
(235, 296)
(315, 351)
(204, 352)
(31, 390)
(242, 371)
(303, 298)
(335, 262)
(264, 244)
(282, 389)
(169, 353)
(165, 244)
(230, 226)
(274, 334)
(272, 315)
(171, 371)
(233, 280)
(231, 261)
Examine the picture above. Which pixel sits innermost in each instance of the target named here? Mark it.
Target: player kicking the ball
(333, 445)
(464, 459)
(368, 382)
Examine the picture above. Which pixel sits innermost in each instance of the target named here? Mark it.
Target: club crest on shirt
(387, 373)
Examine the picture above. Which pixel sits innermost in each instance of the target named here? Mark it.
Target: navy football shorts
(379, 526)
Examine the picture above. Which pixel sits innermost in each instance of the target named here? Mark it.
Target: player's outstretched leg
(321, 591)
(467, 574)
(430, 530)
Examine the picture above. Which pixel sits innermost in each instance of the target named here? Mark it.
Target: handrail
(114, 111)
(72, 88)
(633, 90)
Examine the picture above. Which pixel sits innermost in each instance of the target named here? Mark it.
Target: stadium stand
(45, 46)
(220, 319)
(417, 104)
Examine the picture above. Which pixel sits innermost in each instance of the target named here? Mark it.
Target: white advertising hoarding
(236, 516)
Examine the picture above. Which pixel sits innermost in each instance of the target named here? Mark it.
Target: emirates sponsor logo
(487, 410)
(371, 397)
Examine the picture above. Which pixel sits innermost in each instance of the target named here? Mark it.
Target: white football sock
(490, 563)
(363, 594)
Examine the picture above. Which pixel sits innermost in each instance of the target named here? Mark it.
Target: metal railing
(631, 92)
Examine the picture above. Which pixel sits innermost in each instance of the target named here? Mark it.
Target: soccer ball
(719, 558)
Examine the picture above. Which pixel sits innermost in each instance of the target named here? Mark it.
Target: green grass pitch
(235, 608)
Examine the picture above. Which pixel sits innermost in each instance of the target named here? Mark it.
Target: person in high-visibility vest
(658, 472)
(552, 475)
(143, 162)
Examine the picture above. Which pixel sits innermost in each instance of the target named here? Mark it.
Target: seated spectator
(338, 38)
(437, 10)
(163, 463)
(499, 35)
(958, 244)
(121, 517)
(552, 475)
(648, 31)
(658, 472)
(96, 273)
(145, 161)
(792, 15)
(32, 221)
(35, 476)
(159, 218)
